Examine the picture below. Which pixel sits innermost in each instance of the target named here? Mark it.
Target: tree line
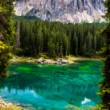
(57, 39)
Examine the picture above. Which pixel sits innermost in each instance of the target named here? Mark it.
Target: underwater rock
(86, 102)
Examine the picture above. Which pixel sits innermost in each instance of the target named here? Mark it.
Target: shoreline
(8, 106)
(57, 61)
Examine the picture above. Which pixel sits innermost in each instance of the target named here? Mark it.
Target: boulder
(48, 61)
(65, 61)
(40, 60)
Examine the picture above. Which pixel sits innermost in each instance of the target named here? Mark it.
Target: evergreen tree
(6, 33)
(51, 48)
(94, 43)
(105, 87)
(88, 44)
(4, 56)
(6, 23)
(75, 44)
(40, 41)
(81, 40)
(75, 39)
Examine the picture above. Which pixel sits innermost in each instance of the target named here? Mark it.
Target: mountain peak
(73, 11)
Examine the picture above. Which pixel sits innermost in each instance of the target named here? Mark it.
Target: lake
(52, 87)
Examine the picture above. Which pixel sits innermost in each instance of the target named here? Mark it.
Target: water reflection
(52, 87)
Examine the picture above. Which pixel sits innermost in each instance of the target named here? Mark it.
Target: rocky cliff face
(62, 10)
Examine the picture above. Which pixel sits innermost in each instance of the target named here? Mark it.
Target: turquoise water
(52, 87)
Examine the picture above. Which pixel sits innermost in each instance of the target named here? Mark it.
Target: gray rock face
(62, 10)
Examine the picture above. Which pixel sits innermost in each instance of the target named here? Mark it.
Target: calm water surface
(52, 87)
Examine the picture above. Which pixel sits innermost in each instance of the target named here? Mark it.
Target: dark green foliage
(57, 39)
(4, 56)
(105, 85)
(6, 33)
(6, 23)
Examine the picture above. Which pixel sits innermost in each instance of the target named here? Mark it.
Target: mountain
(73, 11)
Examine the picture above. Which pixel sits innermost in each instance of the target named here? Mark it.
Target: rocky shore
(43, 60)
(57, 61)
(8, 106)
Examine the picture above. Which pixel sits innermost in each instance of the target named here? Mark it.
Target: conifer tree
(6, 33)
(75, 39)
(51, 48)
(105, 87)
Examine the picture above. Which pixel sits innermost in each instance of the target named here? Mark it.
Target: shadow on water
(53, 86)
